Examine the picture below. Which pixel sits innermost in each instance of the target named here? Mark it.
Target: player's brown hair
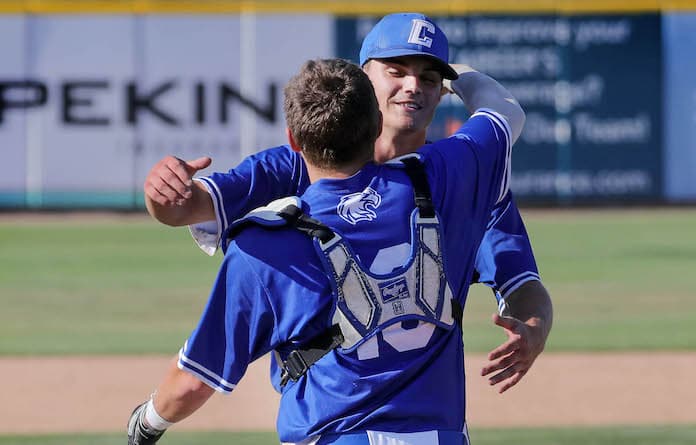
(332, 112)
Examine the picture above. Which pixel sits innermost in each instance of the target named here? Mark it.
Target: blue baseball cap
(408, 34)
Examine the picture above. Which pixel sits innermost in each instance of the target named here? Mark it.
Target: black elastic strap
(236, 229)
(298, 361)
(421, 189)
(457, 312)
(415, 171)
(297, 219)
(475, 276)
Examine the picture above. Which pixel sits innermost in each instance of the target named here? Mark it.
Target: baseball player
(407, 95)
(369, 343)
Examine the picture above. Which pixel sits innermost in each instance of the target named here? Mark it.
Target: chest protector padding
(366, 303)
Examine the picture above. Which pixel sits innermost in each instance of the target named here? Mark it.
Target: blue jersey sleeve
(259, 179)
(468, 174)
(236, 327)
(505, 259)
(473, 164)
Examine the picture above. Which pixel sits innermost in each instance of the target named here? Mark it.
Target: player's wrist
(539, 329)
(142, 431)
(153, 419)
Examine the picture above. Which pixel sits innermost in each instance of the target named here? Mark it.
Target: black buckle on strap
(299, 361)
(294, 367)
(312, 227)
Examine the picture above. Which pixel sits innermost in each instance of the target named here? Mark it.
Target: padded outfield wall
(93, 93)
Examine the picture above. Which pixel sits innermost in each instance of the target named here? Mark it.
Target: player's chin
(410, 122)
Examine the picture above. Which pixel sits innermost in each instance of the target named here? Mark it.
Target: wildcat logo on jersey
(359, 206)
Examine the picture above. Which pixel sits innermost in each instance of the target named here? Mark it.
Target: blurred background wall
(93, 93)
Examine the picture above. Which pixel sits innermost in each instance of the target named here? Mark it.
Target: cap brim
(444, 68)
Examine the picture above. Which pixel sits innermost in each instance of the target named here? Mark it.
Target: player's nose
(412, 84)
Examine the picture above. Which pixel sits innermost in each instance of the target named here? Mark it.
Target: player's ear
(291, 140)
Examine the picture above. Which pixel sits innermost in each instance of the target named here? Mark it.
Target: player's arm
(171, 195)
(209, 204)
(505, 259)
(178, 395)
(236, 327)
(527, 323)
(506, 263)
(259, 179)
(528, 320)
(478, 91)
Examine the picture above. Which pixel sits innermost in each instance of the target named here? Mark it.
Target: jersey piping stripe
(501, 123)
(213, 384)
(514, 283)
(504, 287)
(532, 277)
(505, 183)
(204, 374)
(500, 216)
(217, 204)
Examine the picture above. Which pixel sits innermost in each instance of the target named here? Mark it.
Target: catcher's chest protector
(366, 304)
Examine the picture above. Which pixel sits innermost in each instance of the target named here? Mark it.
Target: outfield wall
(93, 93)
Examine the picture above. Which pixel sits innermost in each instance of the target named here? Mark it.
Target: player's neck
(391, 144)
(316, 173)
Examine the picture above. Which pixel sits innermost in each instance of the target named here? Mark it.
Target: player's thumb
(505, 322)
(198, 164)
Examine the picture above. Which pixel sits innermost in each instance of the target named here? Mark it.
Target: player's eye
(431, 79)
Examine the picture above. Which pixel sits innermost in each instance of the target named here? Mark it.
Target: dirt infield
(44, 395)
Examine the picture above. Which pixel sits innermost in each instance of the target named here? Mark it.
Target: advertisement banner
(13, 171)
(89, 103)
(591, 88)
(680, 106)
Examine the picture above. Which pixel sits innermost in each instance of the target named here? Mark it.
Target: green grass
(120, 286)
(620, 280)
(663, 435)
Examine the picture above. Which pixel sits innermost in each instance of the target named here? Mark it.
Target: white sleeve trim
(500, 121)
(207, 234)
(205, 375)
(514, 283)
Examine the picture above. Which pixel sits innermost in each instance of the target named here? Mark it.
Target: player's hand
(169, 182)
(460, 68)
(139, 433)
(511, 361)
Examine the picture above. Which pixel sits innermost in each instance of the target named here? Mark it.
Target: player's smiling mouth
(409, 106)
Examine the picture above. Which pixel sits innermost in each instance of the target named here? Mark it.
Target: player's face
(408, 91)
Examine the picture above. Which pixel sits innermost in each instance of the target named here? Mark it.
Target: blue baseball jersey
(273, 293)
(504, 261)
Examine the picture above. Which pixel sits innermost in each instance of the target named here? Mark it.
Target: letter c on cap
(417, 26)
